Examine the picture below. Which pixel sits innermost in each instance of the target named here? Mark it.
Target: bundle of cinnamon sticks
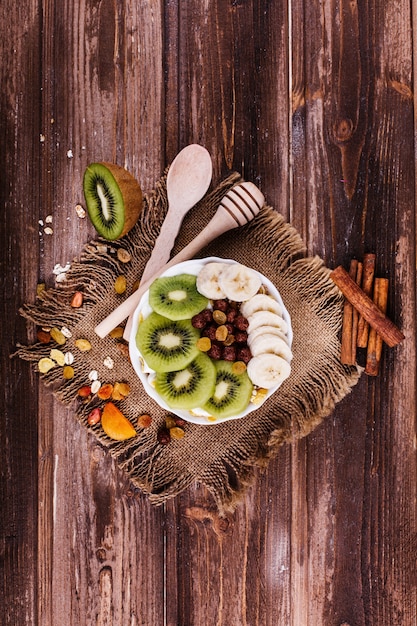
(365, 324)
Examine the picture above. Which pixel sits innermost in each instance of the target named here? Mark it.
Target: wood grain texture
(314, 102)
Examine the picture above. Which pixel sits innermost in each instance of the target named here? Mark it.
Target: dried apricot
(115, 424)
(105, 391)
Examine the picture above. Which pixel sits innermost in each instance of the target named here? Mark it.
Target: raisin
(163, 436)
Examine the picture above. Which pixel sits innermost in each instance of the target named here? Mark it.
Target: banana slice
(208, 281)
(268, 370)
(239, 282)
(260, 302)
(269, 343)
(263, 330)
(266, 318)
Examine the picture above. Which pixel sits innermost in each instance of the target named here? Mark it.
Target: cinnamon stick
(388, 331)
(367, 284)
(347, 353)
(373, 355)
(355, 313)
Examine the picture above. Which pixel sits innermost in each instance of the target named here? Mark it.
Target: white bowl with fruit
(211, 340)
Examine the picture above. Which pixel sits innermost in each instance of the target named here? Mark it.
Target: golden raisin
(83, 344)
(204, 344)
(170, 422)
(68, 372)
(116, 333)
(238, 367)
(221, 333)
(58, 356)
(57, 336)
(176, 432)
(219, 317)
(144, 421)
(120, 284)
(45, 364)
(123, 255)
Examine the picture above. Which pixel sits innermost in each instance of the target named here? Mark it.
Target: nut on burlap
(221, 456)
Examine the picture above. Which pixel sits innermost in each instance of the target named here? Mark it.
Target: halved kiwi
(167, 345)
(190, 387)
(176, 297)
(113, 197)
(232, 391)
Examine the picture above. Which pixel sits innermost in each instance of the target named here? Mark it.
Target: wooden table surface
(313, 101)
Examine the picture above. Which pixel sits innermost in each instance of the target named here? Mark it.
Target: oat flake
(95, 386)
(93, 375)
(69, 358)
(66, 332)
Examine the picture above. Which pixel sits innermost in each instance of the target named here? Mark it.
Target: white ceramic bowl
(146, 375)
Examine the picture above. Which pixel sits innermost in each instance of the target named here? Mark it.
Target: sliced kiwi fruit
(113, 197)
(176, 297)
(190, 387)
(232, 391)
(167, 345)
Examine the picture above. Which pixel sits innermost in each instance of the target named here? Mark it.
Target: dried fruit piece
(105, 391)
(123, 348)
(144, 421)
(68, 372)
(221, 333)
(57, 356)
(45, 364)
(77, 299)
(43, 336)
(123, 255)
(120, 391)
(164, 437)
(170, 422)
(204, 344)
(260, 396)
(116, 333)
(40, 288)
(58, 336)
(120, 284)
(238, 367)
(80, 211)
(115, 424)
(83, 345)
(94, 417)
(219, 317)
(84, 391)
(176, 432)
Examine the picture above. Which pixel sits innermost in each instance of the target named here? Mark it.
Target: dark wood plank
(20, 202)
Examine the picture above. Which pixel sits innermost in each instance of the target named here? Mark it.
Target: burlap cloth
(222, 456)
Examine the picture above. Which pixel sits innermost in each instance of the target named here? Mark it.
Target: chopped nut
(123, 255)
(94, 417)
(48, 230)
(108, 362)
(80, 211)
(101, 247)
(77, 299)
(123, 348)
(48, 219)
(59, 269)
(83, 344)
(61, 278)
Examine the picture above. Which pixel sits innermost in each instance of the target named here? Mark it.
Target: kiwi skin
(126, 192)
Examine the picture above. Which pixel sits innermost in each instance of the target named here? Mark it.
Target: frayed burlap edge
(301, 404)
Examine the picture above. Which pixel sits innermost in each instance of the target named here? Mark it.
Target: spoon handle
(163, 245)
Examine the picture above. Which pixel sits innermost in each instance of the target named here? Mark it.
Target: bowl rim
(193, 266)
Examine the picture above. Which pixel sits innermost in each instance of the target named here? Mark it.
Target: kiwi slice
(113, 197)
(232, 392)
(190, 387)
(167, 345)
(176, 297)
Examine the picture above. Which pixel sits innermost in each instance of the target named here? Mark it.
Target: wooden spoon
(188, 179)
(238, 207)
